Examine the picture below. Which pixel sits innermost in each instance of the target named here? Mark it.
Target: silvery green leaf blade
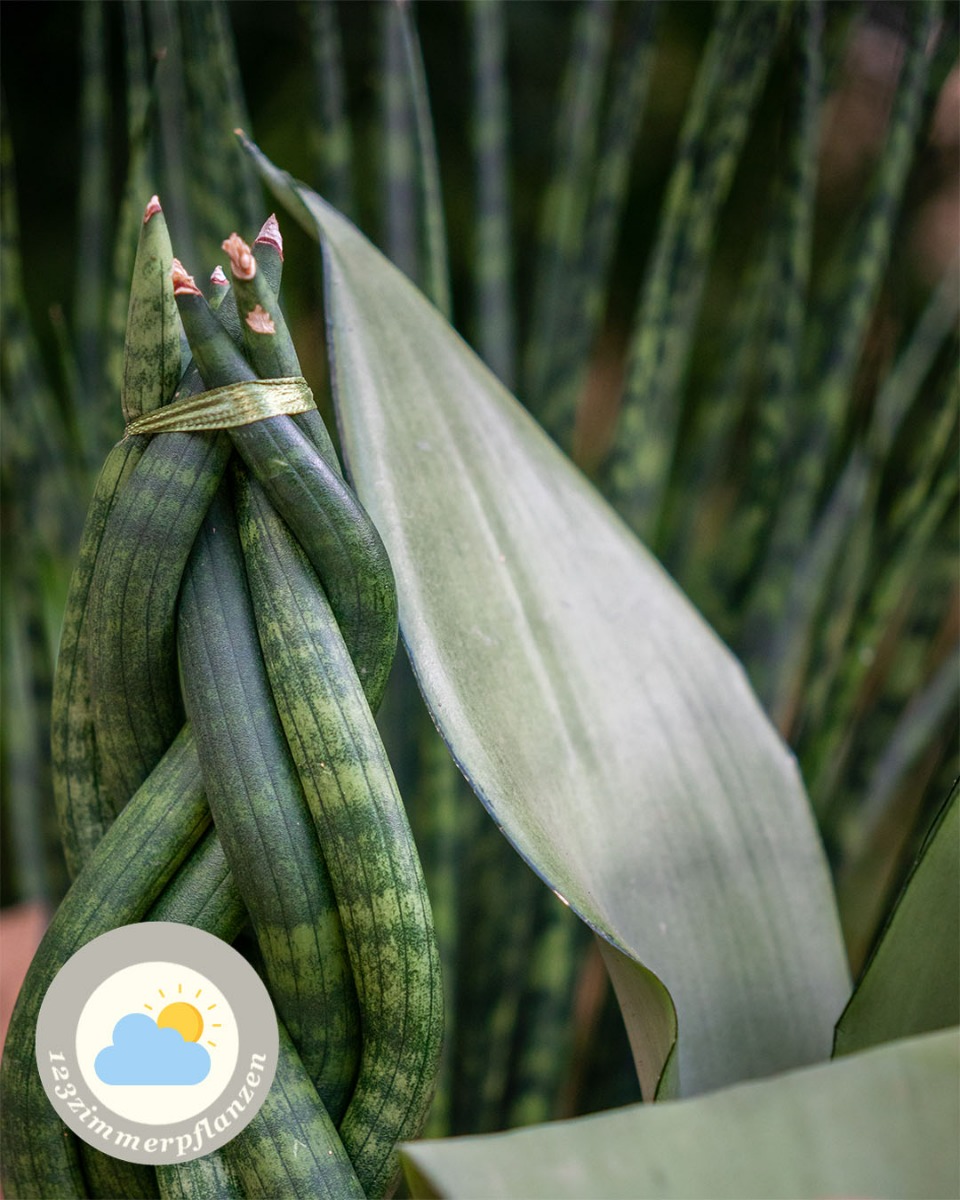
(610, 734)
(881, 1124)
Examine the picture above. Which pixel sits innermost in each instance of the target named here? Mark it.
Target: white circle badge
(157, 1043)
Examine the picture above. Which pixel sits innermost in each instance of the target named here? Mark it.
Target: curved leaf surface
(912, 982)
(611, 735)
(881, 1124)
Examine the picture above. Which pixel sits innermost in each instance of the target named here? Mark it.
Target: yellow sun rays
(185, 1017)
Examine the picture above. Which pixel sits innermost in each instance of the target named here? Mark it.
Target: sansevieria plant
(671, 554)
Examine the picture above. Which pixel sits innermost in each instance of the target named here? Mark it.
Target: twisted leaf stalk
(159, 565)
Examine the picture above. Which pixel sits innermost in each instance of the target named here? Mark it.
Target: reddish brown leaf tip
(183, 284)
(153, 207)
(218, 279)
(260, 321)
(270, 234)
(242, 263)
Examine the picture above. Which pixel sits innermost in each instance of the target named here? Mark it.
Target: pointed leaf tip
(270, 234)
(150, 367)
(217, 277)
(242, 263)
(183, 283)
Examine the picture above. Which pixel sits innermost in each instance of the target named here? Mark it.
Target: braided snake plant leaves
(610, 734)
(880, 1123)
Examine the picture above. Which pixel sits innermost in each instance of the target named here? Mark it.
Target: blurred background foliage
(711, 246)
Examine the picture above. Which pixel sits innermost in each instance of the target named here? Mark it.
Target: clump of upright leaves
(842, 615)
(205, 673)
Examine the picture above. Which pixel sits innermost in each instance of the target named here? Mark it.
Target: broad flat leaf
(881, 1123)
(912, 982)
(611, 735)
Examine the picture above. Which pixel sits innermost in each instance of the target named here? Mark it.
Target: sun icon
(184, 1017)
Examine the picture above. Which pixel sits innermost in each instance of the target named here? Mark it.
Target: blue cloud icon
(143, 1053)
